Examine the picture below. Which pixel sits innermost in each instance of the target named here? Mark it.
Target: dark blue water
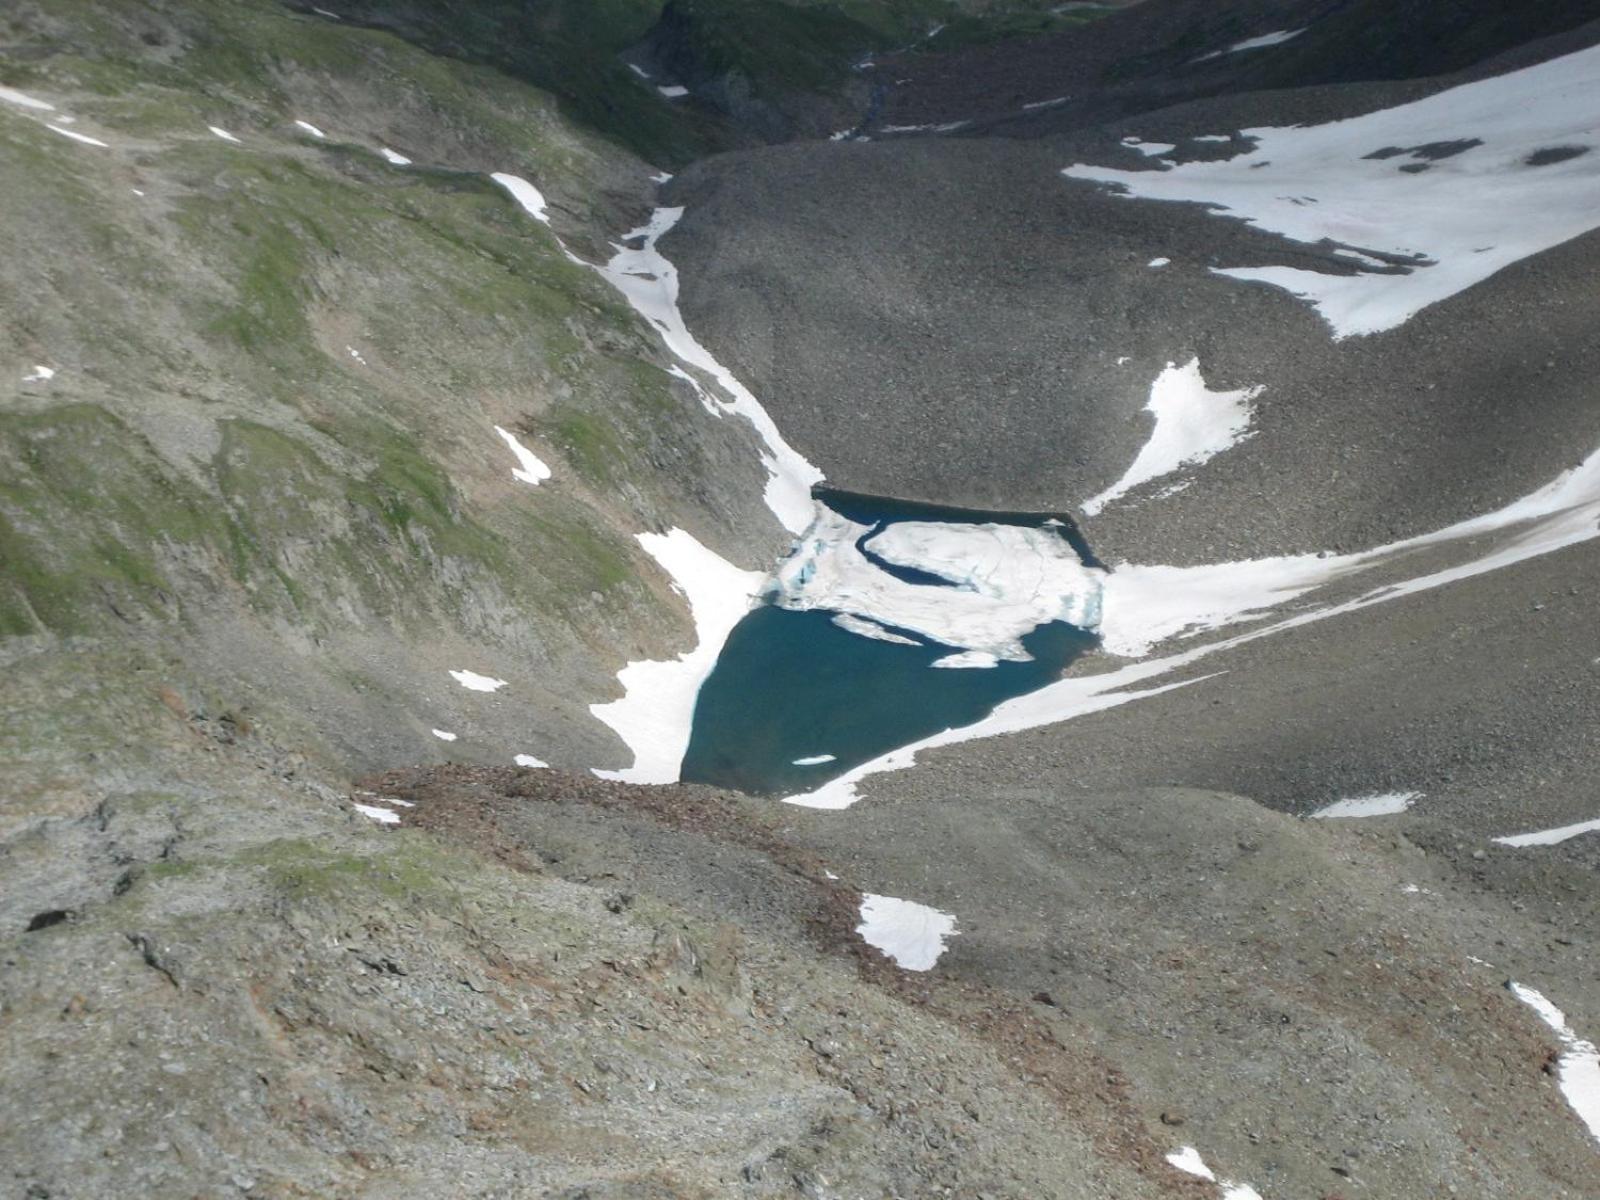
(792, 685)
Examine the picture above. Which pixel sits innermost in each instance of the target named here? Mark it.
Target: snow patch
(1038, 104)
(1550, 837)
(78, 137)
(650, 284)
(1192, 426)
(1187, 1159)
(12, 96)
(530, 468)
(1149, 149)
(673, 91)
(474, 682)
(444, 735)
(395, 157)
(1276, 38)
(524, 193)
(311, 129)
(223, 134)
(815, 760)
(1159, 262)
(382, 815)
(356, 354)
(528, 760)
(39, 374)
(911, 934)
(1579, 1068)
(656, 711)
(1474, 200)
(1386, 804)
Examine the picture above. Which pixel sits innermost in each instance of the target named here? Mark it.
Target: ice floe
(12, 96)
(814, 760)
(1193, 424)
(385, 816)
(911, 934)
(650, 284)
(656, 711)
(474, 682)
(524, 193)
(528, 760)
(76, 136)
(530, 468)
(444, 735)
(39, 374)
(311, 129)
(967, 659)
(1456, 186)
(1550, 837)
(1005, 580)
(851, 623)
(395, 157)
(218, 131)
(1385, 804)
(1579, 1068)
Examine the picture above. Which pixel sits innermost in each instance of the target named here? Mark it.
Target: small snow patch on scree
(1550, 837)
(1385, 805)
(911, 934)
(311, 129)
(40, 374)
(1187, 1159)
(528, 760)
(12, 96)
(223, 134)
(474, 682)
(673, 91)
(1276, 38)
(1467, 216)
(444, 735)
(393, 156)
(1193, 425)
(77, 137)
(531, 469)
(1579, 1068)
(382, 815)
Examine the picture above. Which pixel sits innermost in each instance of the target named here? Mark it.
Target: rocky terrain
(356, 463)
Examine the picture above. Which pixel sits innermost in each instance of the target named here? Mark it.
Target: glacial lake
(836, 665)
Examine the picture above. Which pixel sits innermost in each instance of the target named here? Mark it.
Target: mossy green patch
(87, 517)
